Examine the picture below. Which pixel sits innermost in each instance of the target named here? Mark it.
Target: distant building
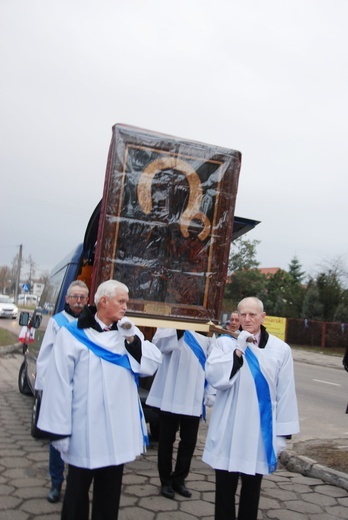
(38, 289)
(269, 271)
(27, 299)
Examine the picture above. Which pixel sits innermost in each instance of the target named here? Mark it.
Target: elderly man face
(77, 298)
(251, 315)
(111, 309)
(234, 324)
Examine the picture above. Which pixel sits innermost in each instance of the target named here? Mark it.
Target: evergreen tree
(295, 270)
(312, 308)
(330, 291)
(341, 313)
(276, 290)
(295, 291)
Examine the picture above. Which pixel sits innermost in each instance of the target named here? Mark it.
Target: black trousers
(107, 484)
(225, 489)
(169, 424)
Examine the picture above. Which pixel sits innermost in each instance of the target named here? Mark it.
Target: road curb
(310, 468)
(17, 347)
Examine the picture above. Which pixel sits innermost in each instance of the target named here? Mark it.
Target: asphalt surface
(307, 492)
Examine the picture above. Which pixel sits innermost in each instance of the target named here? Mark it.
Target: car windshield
(5, 299)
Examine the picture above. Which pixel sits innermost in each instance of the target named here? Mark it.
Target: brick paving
(24, 478)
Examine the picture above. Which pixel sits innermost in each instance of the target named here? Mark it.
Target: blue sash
(116, 359)
(265, 406)
(191, 341)
(61, 319)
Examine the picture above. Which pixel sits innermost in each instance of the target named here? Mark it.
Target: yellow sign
(275, 326)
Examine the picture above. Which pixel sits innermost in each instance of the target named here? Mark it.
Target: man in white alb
(255, 410)
(75, 300)
(180, 392)
(91, 404)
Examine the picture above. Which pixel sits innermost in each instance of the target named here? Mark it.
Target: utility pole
(18, 273)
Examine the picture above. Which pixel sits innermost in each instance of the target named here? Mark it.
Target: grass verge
(7, 338)
(330, 453)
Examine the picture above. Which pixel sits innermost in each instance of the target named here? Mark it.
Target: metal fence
(305, 332)
(317, 333)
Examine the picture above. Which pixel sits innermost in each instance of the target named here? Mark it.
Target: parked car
(7, 307)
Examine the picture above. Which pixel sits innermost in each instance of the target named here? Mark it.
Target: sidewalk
(24, 479)
(317, 358)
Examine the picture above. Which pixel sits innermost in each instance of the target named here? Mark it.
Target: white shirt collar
(101, 323)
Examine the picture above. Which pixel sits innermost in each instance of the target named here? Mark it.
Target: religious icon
(167, 222)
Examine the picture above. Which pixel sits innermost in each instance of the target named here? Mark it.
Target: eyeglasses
(77, 297)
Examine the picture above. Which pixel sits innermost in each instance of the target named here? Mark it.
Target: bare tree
(5, 278)
(44, 276)
(32, 269)
(336, 267)
(15, 271)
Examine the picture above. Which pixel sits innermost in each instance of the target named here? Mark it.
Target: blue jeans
(56, 467)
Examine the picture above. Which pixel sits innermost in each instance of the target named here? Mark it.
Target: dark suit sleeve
(237, 364)
(134, 348)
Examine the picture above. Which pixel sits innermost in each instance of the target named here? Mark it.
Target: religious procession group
(88, 367)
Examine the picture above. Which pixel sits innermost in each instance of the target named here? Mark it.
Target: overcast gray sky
(265, 77)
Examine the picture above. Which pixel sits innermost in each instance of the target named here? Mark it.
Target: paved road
(322, 393)
(24, 480)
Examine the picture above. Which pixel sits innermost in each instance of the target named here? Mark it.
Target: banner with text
(276, 326)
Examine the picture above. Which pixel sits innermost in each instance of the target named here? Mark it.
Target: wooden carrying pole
(209, 328)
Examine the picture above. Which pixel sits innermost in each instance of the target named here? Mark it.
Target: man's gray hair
(77, 283)
(109, 289)
(254, 299)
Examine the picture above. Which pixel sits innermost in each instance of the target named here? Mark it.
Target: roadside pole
(18, 273)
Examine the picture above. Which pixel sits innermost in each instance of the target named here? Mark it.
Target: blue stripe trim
(61, 319)
(191, 341)
(193, 344)
(111, 357)
(265, 406)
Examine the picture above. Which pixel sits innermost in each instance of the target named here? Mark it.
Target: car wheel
(23, 386)
(35, 431)
(154, 431)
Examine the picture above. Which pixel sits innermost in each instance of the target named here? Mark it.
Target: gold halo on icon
(192, 212)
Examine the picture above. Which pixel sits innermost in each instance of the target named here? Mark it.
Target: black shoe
(167, 491)
(54, 494)
(182, 490)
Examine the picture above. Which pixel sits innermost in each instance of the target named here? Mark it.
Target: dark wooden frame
(166, 223)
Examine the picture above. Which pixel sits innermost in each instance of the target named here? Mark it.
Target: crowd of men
(89, 367)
